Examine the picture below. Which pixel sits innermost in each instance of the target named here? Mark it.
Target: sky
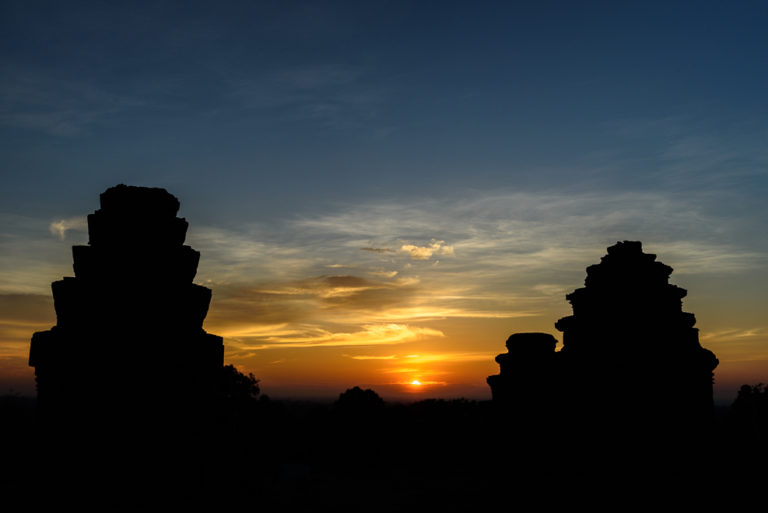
(383, 191)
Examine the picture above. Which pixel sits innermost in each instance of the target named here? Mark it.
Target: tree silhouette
(239, 387)
(358, 400)
(750, 409)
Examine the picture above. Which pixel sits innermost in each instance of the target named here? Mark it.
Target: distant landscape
(451, 454)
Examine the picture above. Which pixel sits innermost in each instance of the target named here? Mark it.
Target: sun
(416, 383)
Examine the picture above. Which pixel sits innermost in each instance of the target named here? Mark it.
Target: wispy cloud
(436, 247)
(20, 316)
(304, 283)
(315, 336)
(515, 230)
(333, 95)
(56, 106)
(732, 334)
(30, 258)
(60, 227)
(413, 359)
(513, 256)
(370, 357)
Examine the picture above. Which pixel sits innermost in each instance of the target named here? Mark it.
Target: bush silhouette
(358, 400)
(238, 387)
(750, 409)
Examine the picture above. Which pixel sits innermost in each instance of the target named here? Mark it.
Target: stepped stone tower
(531, 383)
(129, 335)
(629, 351)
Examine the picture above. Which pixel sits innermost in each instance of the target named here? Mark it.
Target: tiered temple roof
(129, 332)
(628, 349)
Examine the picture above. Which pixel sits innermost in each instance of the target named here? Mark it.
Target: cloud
(514, 255)
(383, 274)
(317, 301)
(21, 315)
(450, 357)
(547, 231)
(370, 357)
(58, 107)
(335, 96)
(30, 258)
(429, 358)
(426, 252)
(60, 227)
(378, 250)
(733, 333)
(694, 257)
(316, 336)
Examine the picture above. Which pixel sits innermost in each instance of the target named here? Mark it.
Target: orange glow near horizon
(446, 358)
(419, 333)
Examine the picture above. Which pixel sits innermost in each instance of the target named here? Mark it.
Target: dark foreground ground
(432, 455)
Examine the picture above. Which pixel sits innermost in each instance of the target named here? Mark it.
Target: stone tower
(529, 384)
(629, 351)
(629, 342)
(129, 336)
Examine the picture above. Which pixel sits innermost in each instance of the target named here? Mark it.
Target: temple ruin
(629, 351)
(129, 335)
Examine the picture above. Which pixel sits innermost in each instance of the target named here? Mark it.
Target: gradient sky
(383, 191)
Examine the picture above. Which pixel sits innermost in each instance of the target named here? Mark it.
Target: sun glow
(416, 383)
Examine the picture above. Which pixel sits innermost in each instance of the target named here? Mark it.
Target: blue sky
(507, 142)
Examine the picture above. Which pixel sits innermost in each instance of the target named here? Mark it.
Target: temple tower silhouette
(629, 351)
(528, 371)
(129, 337)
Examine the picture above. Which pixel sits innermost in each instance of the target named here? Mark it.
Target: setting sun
(416, 383)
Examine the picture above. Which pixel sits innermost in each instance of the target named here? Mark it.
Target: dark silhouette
(239, 386)
(131, 318)
(137, 406)
(630, 358)
(749, 410)
(357, 400)
(532, 384)
(128, 364)
(630, 388)
(744, 435)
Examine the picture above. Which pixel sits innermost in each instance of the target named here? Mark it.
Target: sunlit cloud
(694, 257)
(363, 275)
(428, 358)
(733, 333)
(401, 370)
(537, 230)
(21, 315)
(419, 313)
(426, 252)
(383, 274)
(316, 336)
(450, 357)
(60, 227)
(370, 357)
